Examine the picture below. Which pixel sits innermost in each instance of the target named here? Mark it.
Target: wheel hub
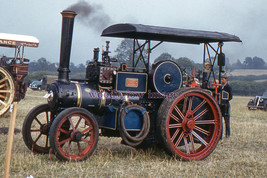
(188, 123)
(45, 129)
(76, 136)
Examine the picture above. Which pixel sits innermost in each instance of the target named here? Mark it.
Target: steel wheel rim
(39, 131)
(184, 125)
(76, 142)
(7, 90)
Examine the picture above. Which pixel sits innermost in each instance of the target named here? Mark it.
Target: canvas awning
(14, 40)
(147, 32)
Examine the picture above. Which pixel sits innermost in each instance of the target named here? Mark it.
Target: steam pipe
(96, 54)
(65, 47)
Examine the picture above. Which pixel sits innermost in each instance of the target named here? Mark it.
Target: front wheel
(190, 124)
(36, 127)
(74, 134)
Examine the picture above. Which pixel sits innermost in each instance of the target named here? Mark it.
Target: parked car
(44, 83)
(259, 102)
(47, 80)
(36, 85)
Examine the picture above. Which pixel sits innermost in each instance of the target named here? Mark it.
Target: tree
(164, 57)
(124, 51)
(185, 62)
(42, 65)
(237, 65)
(258, 63)
(248, 63)
(254, 63)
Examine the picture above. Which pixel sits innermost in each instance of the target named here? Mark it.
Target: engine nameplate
(131, 82)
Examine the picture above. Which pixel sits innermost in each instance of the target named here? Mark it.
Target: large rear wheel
(74, 134)
(190, 124)
(7, 90)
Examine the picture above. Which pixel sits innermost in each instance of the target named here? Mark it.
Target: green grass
(246, 72)
(244, 154)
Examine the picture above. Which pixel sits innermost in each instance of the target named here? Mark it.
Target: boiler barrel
(82, 95)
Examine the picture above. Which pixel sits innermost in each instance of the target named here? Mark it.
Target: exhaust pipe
(65, 47)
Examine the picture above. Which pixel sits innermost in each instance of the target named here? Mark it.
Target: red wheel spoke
(71, 123)
(37, 138)
(175, 134)
(174, 117)
(79, 147)
(185, 105)
(86, 141)
(205, 122)
(171, 126)
(63, 131)
(64, 141)
(86, 130)
(202, 130)
(68, 148)
(35, 130)
(200, 138)
(199, 106)
(179, 112)
(190, 103)
(38, 121)
(179, 139)
(200, 114)
(78, 123)
(186, 145)
(192, 142)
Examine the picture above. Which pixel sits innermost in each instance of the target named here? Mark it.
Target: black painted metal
(65, 49)
(146, 32)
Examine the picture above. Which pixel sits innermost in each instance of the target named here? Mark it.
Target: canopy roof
(146, 32)
(14, 40)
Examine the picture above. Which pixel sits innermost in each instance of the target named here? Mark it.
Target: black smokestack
(92, 16)
(65, 49)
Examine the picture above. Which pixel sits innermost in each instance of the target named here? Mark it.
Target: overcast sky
(243, 18)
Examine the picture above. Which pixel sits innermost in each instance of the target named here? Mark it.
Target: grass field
(244, 154)
(245, 72)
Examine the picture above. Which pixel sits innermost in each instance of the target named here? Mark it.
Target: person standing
(225, 106)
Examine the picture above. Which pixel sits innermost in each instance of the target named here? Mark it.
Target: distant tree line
(248, 88)
(38, 69)
(43, 64)
(250, 63)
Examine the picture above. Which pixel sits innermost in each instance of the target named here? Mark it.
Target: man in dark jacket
(225, 107)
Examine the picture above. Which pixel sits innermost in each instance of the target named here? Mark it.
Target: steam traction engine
(13, 70)
(143, 106)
